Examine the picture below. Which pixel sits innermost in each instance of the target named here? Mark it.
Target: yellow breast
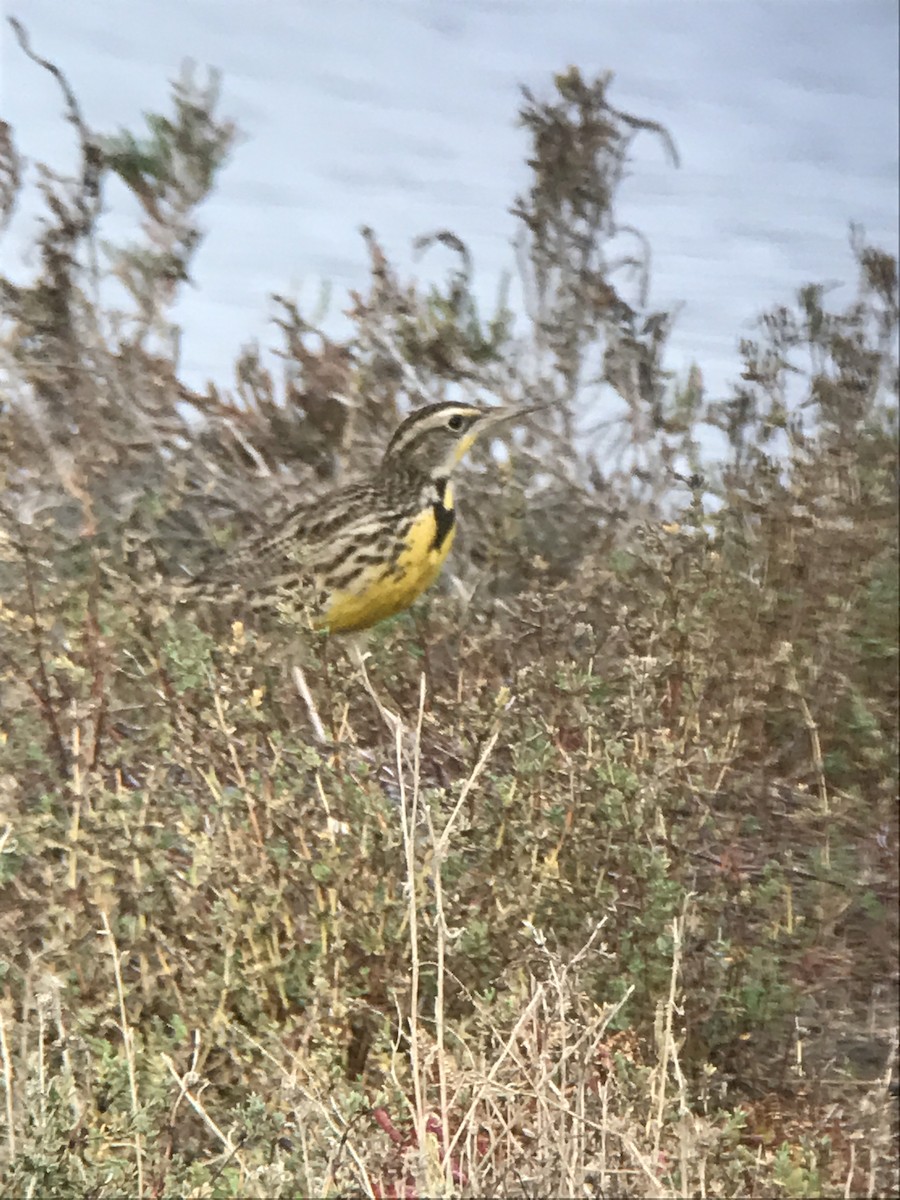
(383, 589)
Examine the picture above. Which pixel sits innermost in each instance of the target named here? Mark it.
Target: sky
(400, 115)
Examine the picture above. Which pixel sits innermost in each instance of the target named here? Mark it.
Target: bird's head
(433, 440)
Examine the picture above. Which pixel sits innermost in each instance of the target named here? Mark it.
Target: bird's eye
(455, 422)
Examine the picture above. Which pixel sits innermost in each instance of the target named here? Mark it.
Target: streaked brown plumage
(363, 552)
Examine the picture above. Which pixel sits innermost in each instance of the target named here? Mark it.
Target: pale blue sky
(400, 114)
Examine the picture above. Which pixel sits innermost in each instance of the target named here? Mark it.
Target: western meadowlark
(364, 552)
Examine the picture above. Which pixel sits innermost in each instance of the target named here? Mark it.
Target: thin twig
(8, 1090)
(408, 809)
(128, 1042)
(228, 1145)
(91, 155)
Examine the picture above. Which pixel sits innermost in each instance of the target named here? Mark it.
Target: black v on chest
(444, 514)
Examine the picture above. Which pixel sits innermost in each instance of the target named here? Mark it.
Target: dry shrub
(613, 910)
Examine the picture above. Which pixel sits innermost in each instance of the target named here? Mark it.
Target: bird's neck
(406, 478)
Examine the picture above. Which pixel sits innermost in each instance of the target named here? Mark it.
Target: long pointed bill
(495, 416)
(508, 412)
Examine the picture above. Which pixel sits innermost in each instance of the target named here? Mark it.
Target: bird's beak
(512, 412)
(488, 420)
(497, 416)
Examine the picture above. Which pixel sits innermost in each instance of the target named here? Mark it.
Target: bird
(366, 551)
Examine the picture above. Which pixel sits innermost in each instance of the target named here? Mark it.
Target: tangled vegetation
(613, 910)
